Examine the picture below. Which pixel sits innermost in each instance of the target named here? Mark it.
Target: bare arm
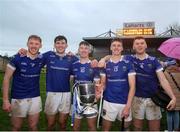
(100, 87)
(103, 82)
(166, 86)
(94, 63)
(131, 79)
(103, 61)
(126, 110)
(6, 103)
(22, 52)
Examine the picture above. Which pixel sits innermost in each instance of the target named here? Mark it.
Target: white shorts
(145, 107)
(57, 102)
(24, 107)
(111, 111)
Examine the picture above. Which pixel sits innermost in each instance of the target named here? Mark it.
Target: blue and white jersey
(25, 83)
(146, 77)
(84, 72)
(58, 71)
(117, 84)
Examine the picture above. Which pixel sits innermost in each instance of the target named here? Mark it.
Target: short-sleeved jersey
(25, 83)
(146, 77)
(58, 71)
(117, 84)
(84, 72)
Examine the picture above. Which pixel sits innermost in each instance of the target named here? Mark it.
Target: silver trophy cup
(86, 93)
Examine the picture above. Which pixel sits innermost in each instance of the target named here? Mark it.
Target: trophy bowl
(87, 93)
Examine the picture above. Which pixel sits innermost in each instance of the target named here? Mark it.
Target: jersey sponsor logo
(52, 62)
(32, 64)
(150, 66)
(24, 63)
(82, 69)
(124, 68)
(52, 56)
(23, 70)
(141, 65)
(115, 68)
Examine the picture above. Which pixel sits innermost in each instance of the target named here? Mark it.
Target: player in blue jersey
(149, 72)
(58, 99)
(25, 93)
(119, 81)
(82, 72)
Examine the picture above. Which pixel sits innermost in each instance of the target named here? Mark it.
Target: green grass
(5, 119)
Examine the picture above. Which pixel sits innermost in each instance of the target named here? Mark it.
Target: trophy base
(89, 112)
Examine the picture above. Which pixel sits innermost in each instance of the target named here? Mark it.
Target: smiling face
(34, 45)
(140, 46)
(60, 46)
(84, 50)
(116, 48)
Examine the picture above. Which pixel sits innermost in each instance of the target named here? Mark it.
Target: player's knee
(137, 125)
(16, 127)
(50, 126)
(91, 127)
(62, 124)
(106, 128)
(33, 126)
(137, 128)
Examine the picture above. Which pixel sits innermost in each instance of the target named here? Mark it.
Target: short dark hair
(138, 37)
(35, 37)
(116, 39)
(60, 37)
(84, 43)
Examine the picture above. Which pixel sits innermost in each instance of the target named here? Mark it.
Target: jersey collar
(60, 55)
(117, 61)
(89, 61)
(139, 58)
(28, 56)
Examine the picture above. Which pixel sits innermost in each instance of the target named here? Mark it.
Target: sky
(76, 19)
